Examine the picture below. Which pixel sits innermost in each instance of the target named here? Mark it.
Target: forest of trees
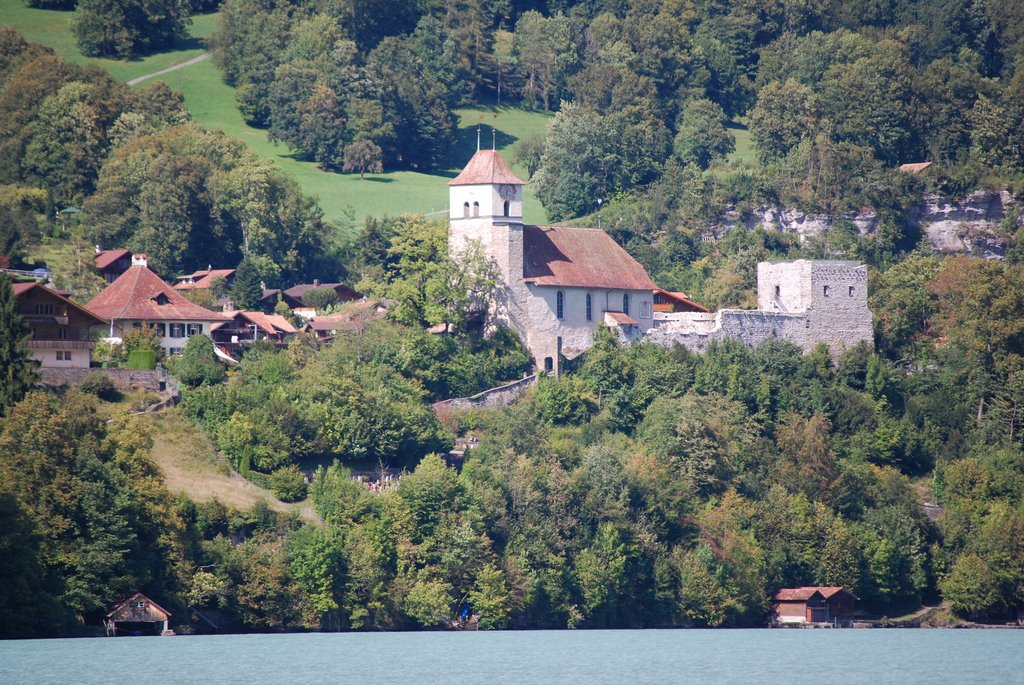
(145, 176)
(835, 93)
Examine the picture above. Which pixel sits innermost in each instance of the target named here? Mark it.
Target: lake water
(589, 657)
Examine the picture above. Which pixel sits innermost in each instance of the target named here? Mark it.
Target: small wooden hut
(815, 605)
(138, 615)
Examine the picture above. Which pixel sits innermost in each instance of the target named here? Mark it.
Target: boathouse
(138, 615)
(815, 605)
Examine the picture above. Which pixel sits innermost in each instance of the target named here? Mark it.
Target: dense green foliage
(90, 517)
(406, 262)
(147, 179)
(832, 86)
(361, 400)
(127, 28)
(18, 373)
(197, 364)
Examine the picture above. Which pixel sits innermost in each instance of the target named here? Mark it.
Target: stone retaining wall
(123, 379)
(501, 396)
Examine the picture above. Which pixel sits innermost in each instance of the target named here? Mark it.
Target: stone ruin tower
(831, 296)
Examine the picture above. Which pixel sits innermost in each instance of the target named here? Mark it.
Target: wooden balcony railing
(62, 344)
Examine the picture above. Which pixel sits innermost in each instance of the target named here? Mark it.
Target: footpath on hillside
(181, 65)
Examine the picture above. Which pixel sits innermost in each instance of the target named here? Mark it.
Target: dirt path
(195, 60)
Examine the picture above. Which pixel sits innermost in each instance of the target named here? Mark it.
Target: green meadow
(744, 154)
(345, 199)
(53, 29)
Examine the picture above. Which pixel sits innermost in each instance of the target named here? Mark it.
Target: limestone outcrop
(973, 224)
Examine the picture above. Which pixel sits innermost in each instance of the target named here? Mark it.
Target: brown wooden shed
(138, 615)
(810, 605)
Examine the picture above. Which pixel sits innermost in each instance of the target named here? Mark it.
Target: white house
(557, 283)
(140, 298)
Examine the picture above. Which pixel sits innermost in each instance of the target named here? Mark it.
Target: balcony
(61, 344)
(45, 319)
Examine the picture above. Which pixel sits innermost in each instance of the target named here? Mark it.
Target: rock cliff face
(969, 225)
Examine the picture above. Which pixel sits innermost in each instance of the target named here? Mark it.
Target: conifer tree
(17, 368)
(247, 291)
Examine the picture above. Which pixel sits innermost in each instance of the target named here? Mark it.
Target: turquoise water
(590, 657)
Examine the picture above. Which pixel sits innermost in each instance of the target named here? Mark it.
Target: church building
(556, 283)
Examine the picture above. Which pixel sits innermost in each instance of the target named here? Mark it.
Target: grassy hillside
(53, 29)
(344, 198)
(190, 466)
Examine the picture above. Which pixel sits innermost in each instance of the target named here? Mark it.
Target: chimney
(140, 260)
(98, 250)
(316, 282)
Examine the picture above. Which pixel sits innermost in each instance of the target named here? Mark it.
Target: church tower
(486, 206)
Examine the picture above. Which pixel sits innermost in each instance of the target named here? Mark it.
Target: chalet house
(270, 298)
(243, 328)
(138, 615)
(204, 279)
(112, 263)
(556, 283)
(345, 293)
(668, 301)
(140, 298)
(353, 318)
(810, 605)
(60, 327)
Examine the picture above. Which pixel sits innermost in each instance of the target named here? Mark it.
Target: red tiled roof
(579, 257)
(105, 258)
(485, 168)
(621, 318)
(799, 594)
(354, 318)
(281, 323)
(135, 295)
(269, 323)
(326, 323)
(204, 279)
(22, 288)
(682, 298)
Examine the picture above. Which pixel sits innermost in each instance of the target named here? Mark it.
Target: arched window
(625, 303)
(590, 308)
(549, 364)
(559, 304)
(476, 209)
(506, 208)
(465, 210)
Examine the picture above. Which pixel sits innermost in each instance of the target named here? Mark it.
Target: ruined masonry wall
(751, 327)
(804, 302)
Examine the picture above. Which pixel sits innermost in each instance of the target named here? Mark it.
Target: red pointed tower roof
(486, 168)
(139, 294)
